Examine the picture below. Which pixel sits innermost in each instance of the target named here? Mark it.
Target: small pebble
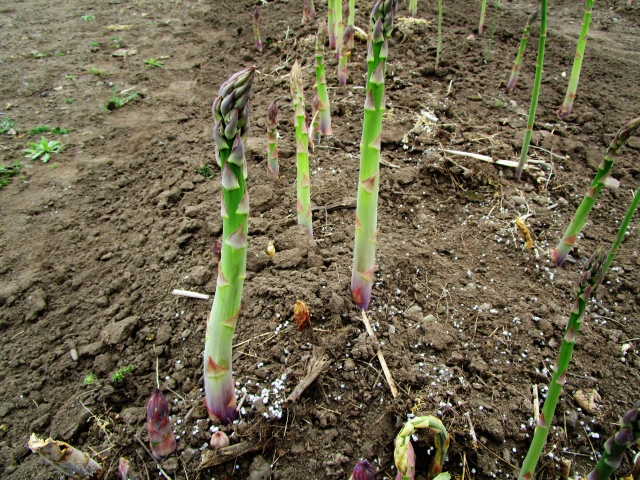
(392, 330)
(74, 354)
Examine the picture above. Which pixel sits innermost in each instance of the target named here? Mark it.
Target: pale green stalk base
(536, 90)
(331, 22)
(321, 85)
(483, 10)
(339, 26)
(352, 13)
(567, 105)
(413, 7)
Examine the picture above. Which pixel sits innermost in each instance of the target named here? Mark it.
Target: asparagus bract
(571, 235)
(231, 114)
(536, 89)
(345, 54)
(324, 112)
(161, 437)
(617, 444)
(256, 29)
(303, 185)
(404, 455)
(272, 138)
(567, 105)
(483, 10)
(523, 45)
(364, 252)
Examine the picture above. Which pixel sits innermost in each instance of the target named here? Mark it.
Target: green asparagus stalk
(565, 110)
(256, 29)
(622, 230)
(161, 437)
(413, 7)
(324, 113)
(364, 252)
(231, 114)
(302, 150)
(339, 26)
(312, 10)
(272, 138)
(571, 234)
(404, 455)
(523, 45)
(316, 134)
(352, 14)
(617, 444)
(345, 54)
(331, 22)
(483, 10)
(439, 44)
(536, 89)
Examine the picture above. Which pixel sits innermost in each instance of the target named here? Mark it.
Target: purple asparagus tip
(363, 471)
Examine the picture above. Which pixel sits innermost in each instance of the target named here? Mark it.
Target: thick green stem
(331, 22)
(536, 89)
(339, 26)
(345, 54)
(324, 112)
(571, 234)
(272, 138)
(565, 110)
(483, 10)
(352, 13)
(303, 184)
(413, 7)
(523, 45)
(366, 231)
(231, 113)
(439, 44)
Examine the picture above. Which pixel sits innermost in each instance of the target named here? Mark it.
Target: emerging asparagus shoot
(523, 45)
(302, 150)
(272, 138)
(324, 111)
(363, 471)
(483, 11)
(256, 29)
(331, 22)
(231, 114)
(570, 236)
(536, 89)
(364, 252)
(312, 10)
(161, 437)
(404, 455)
(345, 54)
(567, 105)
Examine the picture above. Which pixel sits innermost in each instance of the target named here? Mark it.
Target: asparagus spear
(316, 134)
(536, 88)
(363, 471)
(364, 252)
(483, 10)
(571, 235)
(302, 150)
(565, 110)
(338, 25)
(256, 29)
(404, 455)
(413, 7)
(617, 444)
(345, 54)
(352, 14)
(324, 112)
(331, 22)
(161, 437)
(231, 114)
(439, 44)
(272, 136)
(523, 45)
(312, 10)
(305, 13)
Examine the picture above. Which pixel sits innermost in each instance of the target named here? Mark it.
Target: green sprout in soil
(99, 73)
(88, 17)
(119, 375)
(39, 55)
(59, 53)
(256, 29)
(94, 46)
(324, 109)
(47, 129)
(70, 77)
(483, 10)
(272, 136)
(89, 378)
(118, 100)
(68, 100)
(42, 149)
(8, 171)
(116, 42)
(6, 124)
(154, 63)
(206, 171)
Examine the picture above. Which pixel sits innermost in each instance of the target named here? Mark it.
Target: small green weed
(153, 63)
(8, 171)
(88, 17)
(68, 100)
(206, 171)
(70, 77)
(119, 375)
(94, 46)
(499, 103)
(119, 100)
(39, 54)
(6, 124)
(43, 149)
(116, 42)
(99, 73)
(89, 378)
(59, 53)
(47, 129)
(60, 131)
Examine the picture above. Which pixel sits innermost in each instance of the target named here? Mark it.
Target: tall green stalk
(536, 89)
(272, 138)
(571, 234)
(366, 231)
(439, 44)
(567, 105)
(483, 10)
(339, 26)
(352, 13)
(616, 445)
(231, 114)
(413, 7)
(324, 112)
(404, 455)
(523, 45)
(594, 272)
(303, 184)
(331, 22)
(345, 54)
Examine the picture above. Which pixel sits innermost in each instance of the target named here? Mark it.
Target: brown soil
(98, 237)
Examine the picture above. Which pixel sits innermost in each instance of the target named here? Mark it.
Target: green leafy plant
(88, 17)
(6, 124)
(523, 45)
(68, 100)
(118, 100)
(43, 149)
(153, 63)
(89, 379)
(116, 42)
(231, 114)
(60, 131)
(119, 375)
(8, 171)
(206, 171)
